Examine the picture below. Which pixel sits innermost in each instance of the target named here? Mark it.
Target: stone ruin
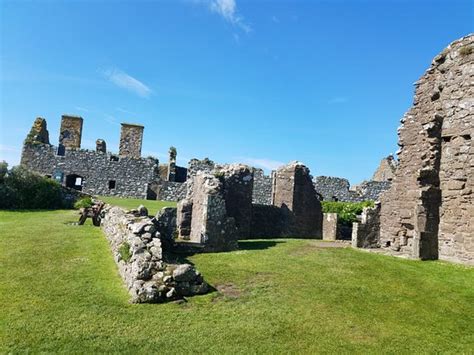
(428, 213)
(150, 271)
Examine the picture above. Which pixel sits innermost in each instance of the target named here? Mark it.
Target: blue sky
(262, 82)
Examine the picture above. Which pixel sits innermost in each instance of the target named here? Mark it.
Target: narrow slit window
(111, 184)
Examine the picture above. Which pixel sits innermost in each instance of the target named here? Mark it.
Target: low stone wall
(137, 249)
(171, 191)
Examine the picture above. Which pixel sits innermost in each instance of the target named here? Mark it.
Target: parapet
(70, 133)
(131, 138)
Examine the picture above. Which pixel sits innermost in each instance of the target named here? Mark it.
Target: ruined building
(428, 212)
(95, 172)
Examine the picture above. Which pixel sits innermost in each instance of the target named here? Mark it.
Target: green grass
(60, 292)
(130, 203)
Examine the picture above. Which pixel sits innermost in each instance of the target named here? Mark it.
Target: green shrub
(347, 211)
(124, 251)
(83, 203)
(22, 189)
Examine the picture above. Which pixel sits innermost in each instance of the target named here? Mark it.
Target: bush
(22, 189)
(84, 203)
(124, 251)
(347, 211)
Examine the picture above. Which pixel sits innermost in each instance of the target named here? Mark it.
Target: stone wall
(70, 133)
(130, 176)
(330, 226)
(366, 234)
(294, 193)
(339, 189)
(428, 211)
(210, 224)
(386, 169)
(170, 191)
(131, 137)
(137, 250)
(268, 221)
(262, 188)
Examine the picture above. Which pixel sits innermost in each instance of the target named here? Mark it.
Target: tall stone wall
(131, 137)
(131, 176)
(70, 133)
(262, 188)
(294, 192)
(428, 211)
(210, 224)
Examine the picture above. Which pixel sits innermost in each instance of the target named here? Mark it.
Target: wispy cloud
(8, 148)
(111, 119)
(125, 81)
(266, 164)
(119, 109)
(228, 10)
(79, 108)
(275, 19)
(337, 100)
(10, 154)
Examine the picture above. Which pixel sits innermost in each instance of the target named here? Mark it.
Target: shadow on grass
(258, 244)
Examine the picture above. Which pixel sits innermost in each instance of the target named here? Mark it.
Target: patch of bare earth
(316, 245)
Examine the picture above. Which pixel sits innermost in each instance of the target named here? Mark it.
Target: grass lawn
(60, 291)
(129, 203)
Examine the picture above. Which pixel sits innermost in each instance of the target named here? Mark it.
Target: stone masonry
(149, 275)
(94, 172)
(70, 133)
(294, 192)
(386, 169)
(131, 137)
(429, 210)
(210, 224)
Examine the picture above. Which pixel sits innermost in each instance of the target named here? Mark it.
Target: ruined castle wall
(131, 175)
(171, 191)
(70, 133)
(428, 209)
(334, 188)
(131, 137)
(262, 188)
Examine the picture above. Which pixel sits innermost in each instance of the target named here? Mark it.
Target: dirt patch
(317, 245)
(229, 290)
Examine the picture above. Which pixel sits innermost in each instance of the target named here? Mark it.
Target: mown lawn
(129, 203)
(60, 292)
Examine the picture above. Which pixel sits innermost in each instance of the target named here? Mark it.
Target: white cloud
(125, 81)
(228, 10)
(266, 164)
(125, 111)
(79, 108)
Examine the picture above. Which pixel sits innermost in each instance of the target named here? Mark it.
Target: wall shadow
(258, 244)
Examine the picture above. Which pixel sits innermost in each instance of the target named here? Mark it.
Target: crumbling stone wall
(131, 176)
(386, 169)
(237, 180)
(137, 249)
(70, 133)
(131, 137)
(366, 234)
(428, 211)
(294, 192)
(262, 188)
(339, 189)
(39, 132)
(210, 224)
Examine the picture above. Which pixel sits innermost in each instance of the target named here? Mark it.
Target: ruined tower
(429, 210)
(70, 133)
(131, 138)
